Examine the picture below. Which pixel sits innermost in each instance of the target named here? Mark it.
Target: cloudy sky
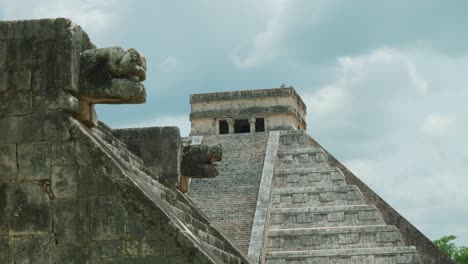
(385, 82)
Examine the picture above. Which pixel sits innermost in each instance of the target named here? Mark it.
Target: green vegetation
(458, 254)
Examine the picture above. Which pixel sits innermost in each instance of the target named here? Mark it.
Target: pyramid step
(303, 150)
(293, 138)
(117, 146)
(333, 238)
(392, 255)
(316, 177)
(325, 216)
(303, 157)
(314, 197)
(223, 255)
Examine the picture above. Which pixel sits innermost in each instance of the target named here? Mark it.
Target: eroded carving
(200, 161)
(110, 76)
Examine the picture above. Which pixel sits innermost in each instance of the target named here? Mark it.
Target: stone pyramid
(281, 198)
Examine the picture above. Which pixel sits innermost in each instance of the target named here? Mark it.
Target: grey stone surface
(107, 220)
(252, 111)
(112, 75)
(321, 196)
(365, 255)
(34, 249)
(260, 93)
(143, 141)
(30, 211)
(34, 161)
(199, 161)
(72, 220)
(8, 129)
(8, 165)
(64, 181)
(260, 221)
(77, 254)
(4, 203)
(333, 238)
(6, 250)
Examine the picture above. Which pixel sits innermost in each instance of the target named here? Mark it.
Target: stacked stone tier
(316, 217)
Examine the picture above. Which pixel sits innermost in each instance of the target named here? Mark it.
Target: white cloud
(265, 44)
(437, 125)
(93, 16)
(180, 121)
(169, 64)
(405, 140)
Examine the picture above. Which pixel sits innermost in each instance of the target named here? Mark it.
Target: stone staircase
(230, 199)
(315, 217)
(182, 207)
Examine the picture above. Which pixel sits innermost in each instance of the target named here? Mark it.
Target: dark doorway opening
(223, 127)
(241, 126)
(259, 125)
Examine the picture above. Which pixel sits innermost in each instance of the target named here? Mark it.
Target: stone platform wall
(71, 192)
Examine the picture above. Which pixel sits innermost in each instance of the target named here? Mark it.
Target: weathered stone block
(143, 141)
(388, 236)
(384, 259)
(29, 209)
(19, 79)
(8, 167)
(55, 126)
(77, 254)
(3, 53)
(6, 250)
(336, 217)
(43, 53)
(29, 29)
(137, 260)
(38, 249)
(3, 209)
(31, 128)
(107, 220)
(3, 81)
(90, 183)
(313, 240)
(368, 215)
(34, 161)
(8, 129)
(111, 248)
(64, 181)
(69, 153)
(18, 103)
(141, 242)
(348, 238)
(4, 27)
(19, 52)
(71, 220)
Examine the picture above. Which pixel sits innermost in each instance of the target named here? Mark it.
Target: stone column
(216, 126)
(230, 122)
(252, 124)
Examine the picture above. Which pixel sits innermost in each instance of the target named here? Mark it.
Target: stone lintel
(247, 94)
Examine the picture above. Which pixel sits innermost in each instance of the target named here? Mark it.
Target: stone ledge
(247, 94)
(343, 252)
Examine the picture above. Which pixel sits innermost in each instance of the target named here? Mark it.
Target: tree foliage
(458, 254)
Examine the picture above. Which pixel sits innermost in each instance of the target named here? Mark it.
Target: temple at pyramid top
(247, 111)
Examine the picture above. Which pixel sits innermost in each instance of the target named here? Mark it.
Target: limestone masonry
(248, 186)
(247, 111)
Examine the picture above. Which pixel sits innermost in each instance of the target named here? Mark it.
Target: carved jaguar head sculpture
(200, 161)
(110, 76)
